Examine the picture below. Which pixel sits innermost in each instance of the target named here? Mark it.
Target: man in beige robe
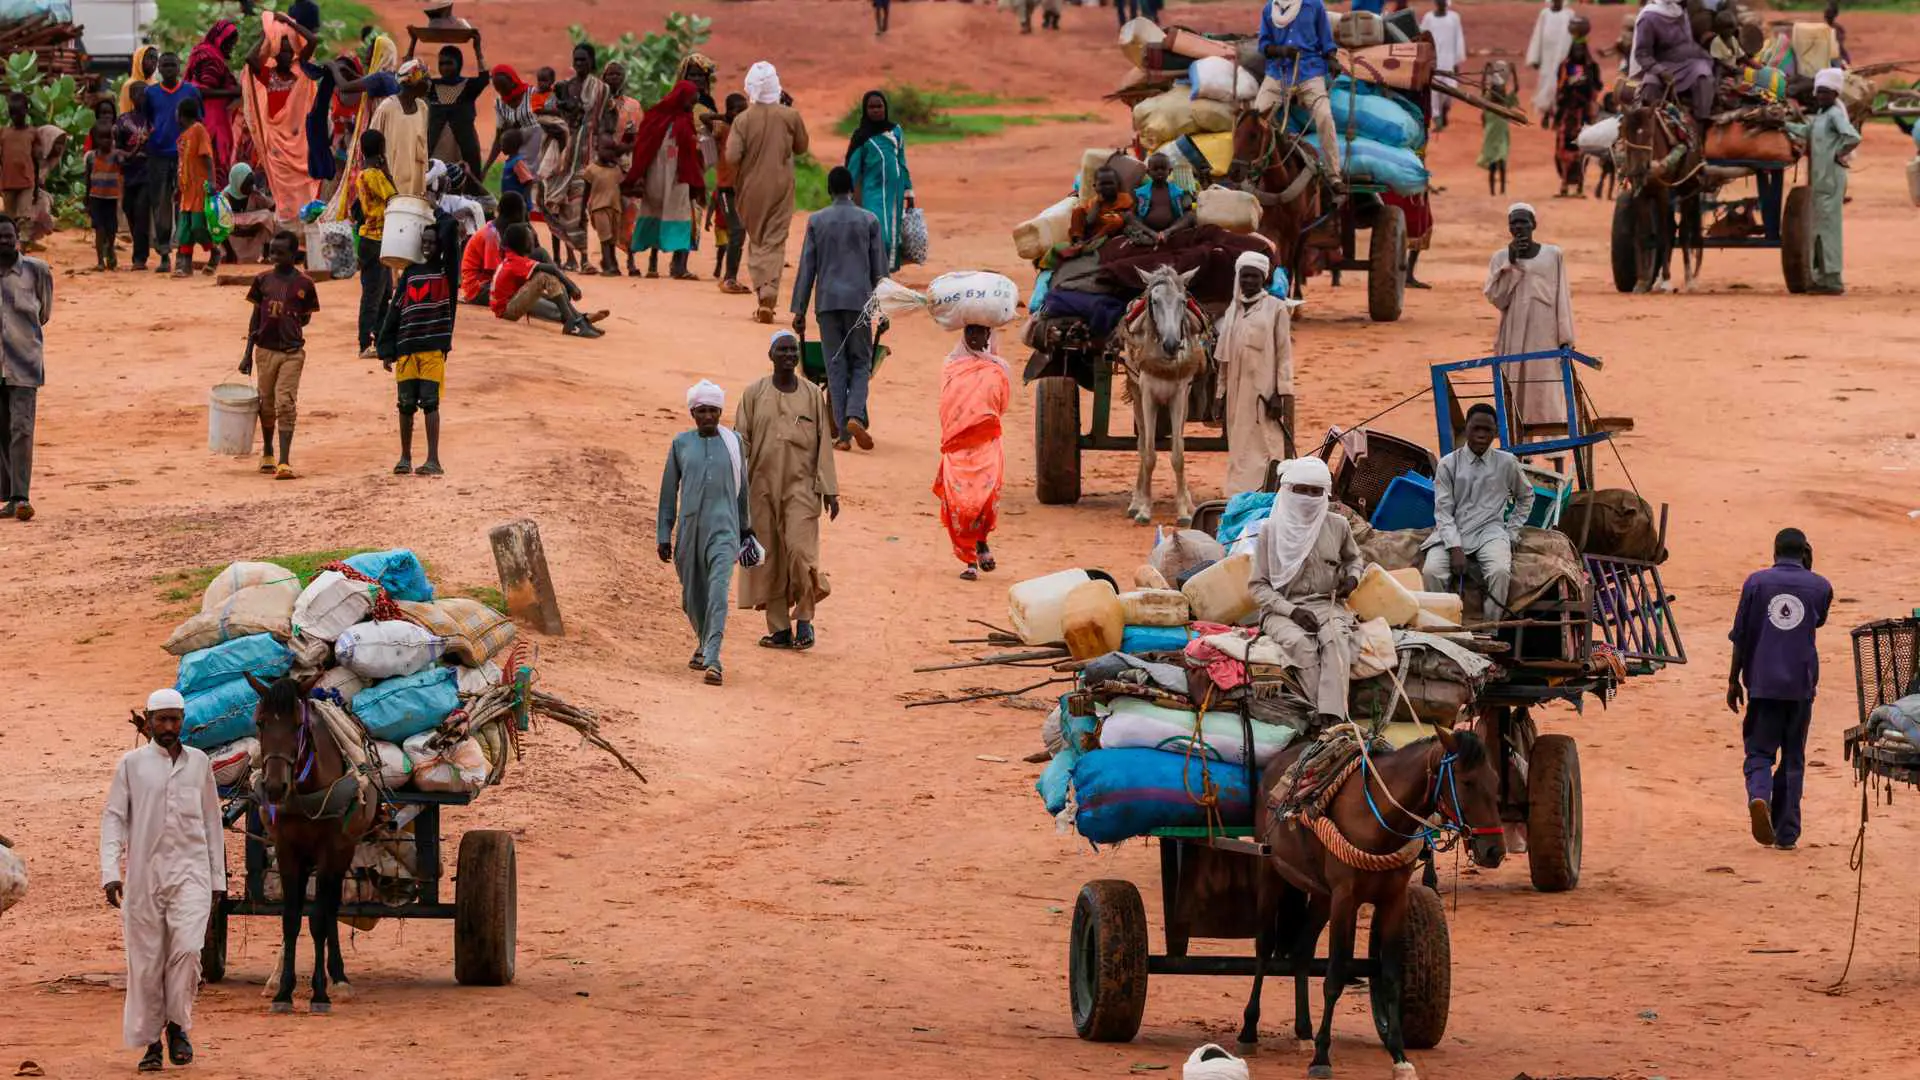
(789, 481)
(1305, 565)
(761, 148)
(1255, 354)
(1527, 281)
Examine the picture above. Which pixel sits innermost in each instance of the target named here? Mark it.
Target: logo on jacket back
(1786, 611)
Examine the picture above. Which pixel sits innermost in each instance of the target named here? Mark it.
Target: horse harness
(336, 801)
(1343, 756)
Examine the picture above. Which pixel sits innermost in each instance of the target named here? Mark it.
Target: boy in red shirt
(524, 288)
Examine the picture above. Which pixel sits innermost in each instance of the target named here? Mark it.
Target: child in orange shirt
(196, 183)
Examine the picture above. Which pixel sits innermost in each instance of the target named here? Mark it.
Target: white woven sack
(387, 650)
(330, 604)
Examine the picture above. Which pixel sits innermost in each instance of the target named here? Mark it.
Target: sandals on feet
(803, 637)
(283, 471)
(734, 288)
(402, 467)
(699, 662)
(431, 468)
(152, 1062)
(971, 573)
(267, 463)
(714, 678)
(779, 639)
(987, 565)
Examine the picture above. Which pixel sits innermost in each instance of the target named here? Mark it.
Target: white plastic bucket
(317, 248)
(408, 219)
(233, 409)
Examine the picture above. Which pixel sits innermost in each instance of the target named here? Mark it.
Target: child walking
(729, 235)
(372, 191)
(1496, 138)
(284, 301)
(417, 335)
(196, 183)
(105, 185)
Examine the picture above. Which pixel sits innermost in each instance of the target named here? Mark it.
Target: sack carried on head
(956, 300)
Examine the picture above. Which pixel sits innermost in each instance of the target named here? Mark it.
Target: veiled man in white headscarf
(162, 819)
(761, 147)
(704, 491)
(1304, 565)
(1255, 354)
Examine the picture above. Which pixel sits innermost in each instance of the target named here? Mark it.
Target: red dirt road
(821, 883)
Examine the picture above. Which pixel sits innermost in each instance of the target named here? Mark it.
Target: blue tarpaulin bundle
(1122, 794)
(398, 709)
(258, 654)
(398, 571)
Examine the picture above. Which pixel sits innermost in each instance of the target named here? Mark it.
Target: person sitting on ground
(415, 338)
(1101, 216)
(481, 255)
(1162, 206)
(284, 300)
(1481, 498)
(524, 288)
(1305, 565)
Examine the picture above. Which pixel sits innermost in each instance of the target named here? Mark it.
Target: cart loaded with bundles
(429, 698)
(1885, 746)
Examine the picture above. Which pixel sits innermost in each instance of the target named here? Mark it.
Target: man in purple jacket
(1775, 671)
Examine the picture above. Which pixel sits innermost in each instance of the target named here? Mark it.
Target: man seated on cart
(1481, 498)
(1305, 564)
(1296, 37)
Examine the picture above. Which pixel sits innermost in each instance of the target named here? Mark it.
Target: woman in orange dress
(975, 387)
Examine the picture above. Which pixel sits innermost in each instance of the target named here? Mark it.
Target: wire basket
(1886, 662)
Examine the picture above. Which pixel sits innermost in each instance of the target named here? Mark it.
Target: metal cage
(1886, 662)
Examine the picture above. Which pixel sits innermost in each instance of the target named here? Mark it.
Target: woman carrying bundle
(975, 386)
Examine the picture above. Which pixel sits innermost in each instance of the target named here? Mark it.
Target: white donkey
(1166, 351)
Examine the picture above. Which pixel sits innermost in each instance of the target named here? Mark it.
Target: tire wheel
(1625, 251)
(485, 909)
(1553, 813)
(213, 951)
(1056, 440)
(1426, 976)
(1387, 265)
(1107, 961)
(1796, 240)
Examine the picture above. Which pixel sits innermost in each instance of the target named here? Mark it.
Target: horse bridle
(315, 805)
(1453, 822)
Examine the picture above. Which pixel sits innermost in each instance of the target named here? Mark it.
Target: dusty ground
(819, 881)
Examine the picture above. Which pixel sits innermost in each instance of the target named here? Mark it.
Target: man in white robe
(163, 819)
(1449, 52)
(1552, 37)
(1256, 376)
(1527, 282)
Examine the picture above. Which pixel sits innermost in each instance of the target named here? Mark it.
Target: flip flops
(734, 288)
(283, 471)
(267, 463)
(803, 637)
(431, 468)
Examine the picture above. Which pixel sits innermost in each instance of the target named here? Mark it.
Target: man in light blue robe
(705, 479)
(1830, 141)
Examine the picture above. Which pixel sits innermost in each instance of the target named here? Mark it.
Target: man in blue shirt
(161, 110)
(1775, 660)
(1297, 40)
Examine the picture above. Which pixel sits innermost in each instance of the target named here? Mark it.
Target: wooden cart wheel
(1387, 265)
(213, 951)
(1796, 239)
(1553, 813)
(1427, 975)
(485, 909)
(1625, 250)
(1107, 961)
(1056, 440)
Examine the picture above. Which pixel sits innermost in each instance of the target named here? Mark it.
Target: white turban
(1254, 259)
(778, 334)
(763, 84)
(166, 698)
(1294, 526)
(1831, 78)
(1526, 208)
(706, 392)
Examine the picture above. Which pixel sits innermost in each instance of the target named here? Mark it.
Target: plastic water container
(1035, 605)
(408, 219)
(1154, 607)
(1446, 605)
(1219, 593)
(233, 412)
(1381, 597)
(1407, 504)
(1091, 620)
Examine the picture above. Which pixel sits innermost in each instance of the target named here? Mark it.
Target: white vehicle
(112, 29)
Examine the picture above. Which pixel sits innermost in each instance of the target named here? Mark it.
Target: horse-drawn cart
(485, 904)
(1773, 216)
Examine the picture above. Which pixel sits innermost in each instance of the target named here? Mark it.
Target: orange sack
(974, 391)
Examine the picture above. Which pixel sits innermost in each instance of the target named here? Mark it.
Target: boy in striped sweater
(416, 336)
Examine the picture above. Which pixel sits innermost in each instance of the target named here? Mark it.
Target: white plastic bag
(387, 650)
(395, 767)
(13, 879)
(1212, 79)
(956, 300)
(461, 767)
(1598, 137)
(330, 604)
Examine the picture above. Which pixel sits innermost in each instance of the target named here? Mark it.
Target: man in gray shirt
(26, 302)
(840, 263)
(1471, 494)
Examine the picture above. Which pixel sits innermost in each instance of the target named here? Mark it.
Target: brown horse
(316, 811)
(1285, 175)
(1661, 169)
(1382, 814)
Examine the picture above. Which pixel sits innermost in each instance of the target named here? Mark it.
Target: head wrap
(518, 86)
(1283, 12)
(670, 118)
(763, 84)
(698, 62)
(1256, 260)
(237, 176)
(166, 698)
(1526, 208)
(867, 129)
(1293, 528)
(706, 392)
(412, 74)
(1832, 78)
(778, 334)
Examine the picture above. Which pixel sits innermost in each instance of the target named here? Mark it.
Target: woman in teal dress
(877, 158)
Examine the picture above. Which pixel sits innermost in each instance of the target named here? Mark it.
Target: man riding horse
(1297, 40)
